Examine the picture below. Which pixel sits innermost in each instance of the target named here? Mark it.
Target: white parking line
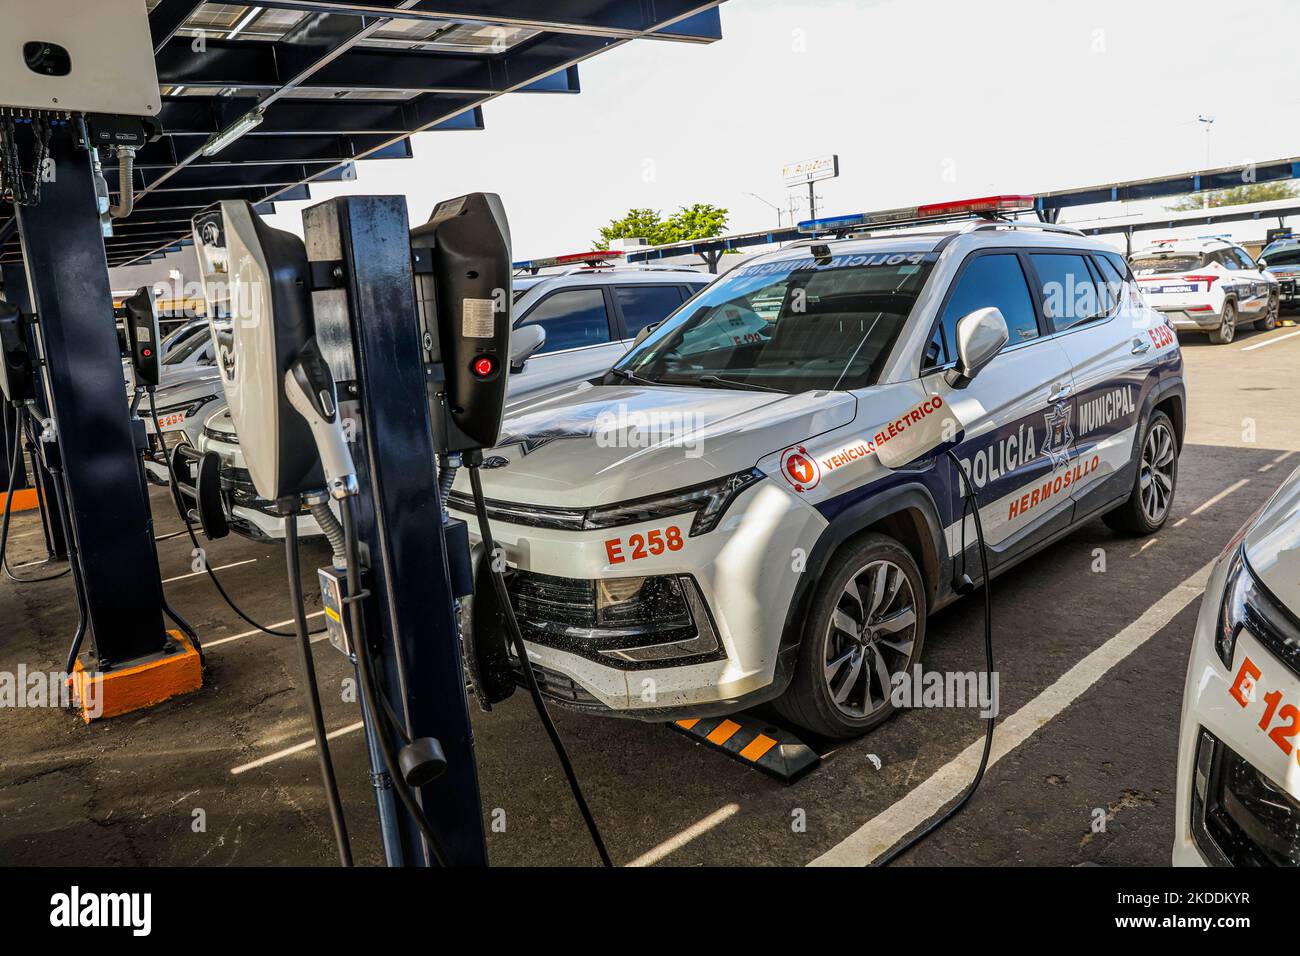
(886, 828)
(195, 574)
(296, 748)
(208, 645)
(1277, 461)
(1280, 338)
(1210, 503)
(651, 857)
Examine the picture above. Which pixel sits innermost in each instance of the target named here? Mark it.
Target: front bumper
(247, 514)
(1206, 833)
(744, 570)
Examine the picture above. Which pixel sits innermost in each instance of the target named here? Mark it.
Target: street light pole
(1209, 123)
(769, 203)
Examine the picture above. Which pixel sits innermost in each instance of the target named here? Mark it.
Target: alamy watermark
(40, 689)
(920, 688)
(635, 428)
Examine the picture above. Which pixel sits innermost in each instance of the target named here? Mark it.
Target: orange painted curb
(124, 689)
(23, 500)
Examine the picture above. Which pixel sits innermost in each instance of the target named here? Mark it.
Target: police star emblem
(1059, 434)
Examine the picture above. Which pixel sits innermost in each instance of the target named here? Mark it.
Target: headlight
(708, 502)
(1240, 816)
(641, 601)
(1246, 603)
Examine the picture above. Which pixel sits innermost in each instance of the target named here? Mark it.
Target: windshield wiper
(633, 377)
(735, 383)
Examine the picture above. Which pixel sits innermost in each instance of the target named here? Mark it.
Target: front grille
(557, 686)
(556, 600)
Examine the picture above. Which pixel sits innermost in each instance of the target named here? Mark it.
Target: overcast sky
(923, 100)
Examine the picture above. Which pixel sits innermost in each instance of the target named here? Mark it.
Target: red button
(147, 352)
(484, 366)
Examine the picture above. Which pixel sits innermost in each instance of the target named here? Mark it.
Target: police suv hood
(1273, 544)
(170, 375)
(602, 444)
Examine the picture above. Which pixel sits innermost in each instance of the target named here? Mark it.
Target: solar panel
(335, 81)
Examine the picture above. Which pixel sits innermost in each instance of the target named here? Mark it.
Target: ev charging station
(330, 340)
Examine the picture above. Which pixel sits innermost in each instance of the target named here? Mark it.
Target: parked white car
(1239, 746)
(1207, 285)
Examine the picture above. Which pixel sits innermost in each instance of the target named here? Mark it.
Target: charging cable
(313, 692)
(14, 459)
(512, 624)
(912, 841)
(189, 527)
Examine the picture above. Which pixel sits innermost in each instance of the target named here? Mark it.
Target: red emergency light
(574, 258)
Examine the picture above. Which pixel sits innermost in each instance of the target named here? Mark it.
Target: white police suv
(757, 501)
(1239, 749)
(1207, 285)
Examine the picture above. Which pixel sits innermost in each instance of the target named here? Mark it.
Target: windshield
(1288, 256)
(178, 336)
(789, 326)
(191, 347)
(1164, 263)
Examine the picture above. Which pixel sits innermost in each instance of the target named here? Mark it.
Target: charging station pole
(16, 291)
(366, 325)
(67, 273)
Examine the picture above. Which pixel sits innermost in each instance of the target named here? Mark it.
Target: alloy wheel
(870, 637)
(1157, 472)
(1228, 327)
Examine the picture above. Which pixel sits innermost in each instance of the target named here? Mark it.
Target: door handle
(1139, 346)
(1059, 391)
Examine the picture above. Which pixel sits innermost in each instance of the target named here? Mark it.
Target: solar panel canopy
(261, 100)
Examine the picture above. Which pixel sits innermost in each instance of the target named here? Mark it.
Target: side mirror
(980, 336)
(645, 333)
(524, 343)
(1262, 263)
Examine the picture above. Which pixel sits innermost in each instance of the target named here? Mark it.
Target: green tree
(699, 221)
(1237, 195)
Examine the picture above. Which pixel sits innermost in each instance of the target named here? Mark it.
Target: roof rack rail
(981, 224)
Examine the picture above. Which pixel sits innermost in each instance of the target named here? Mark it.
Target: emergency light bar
(575, 258)
(961, 208)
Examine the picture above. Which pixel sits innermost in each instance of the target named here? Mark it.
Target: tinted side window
(1112, 281)
(1120, 264)
(1226, 259)
(644, 305)
(992, 280)
(1070, 295)
(572, 318)
(1244, 258)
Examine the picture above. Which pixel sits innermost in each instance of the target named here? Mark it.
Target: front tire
(866, 623)
(1148, 506)
(1227, 329)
